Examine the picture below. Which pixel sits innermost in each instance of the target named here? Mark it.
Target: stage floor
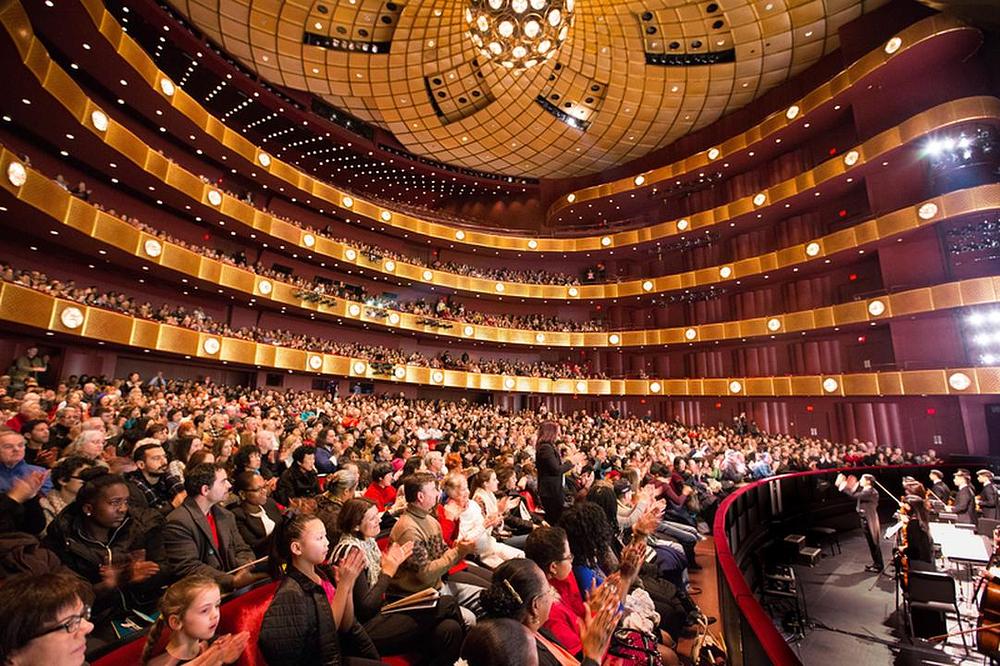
(852, 626)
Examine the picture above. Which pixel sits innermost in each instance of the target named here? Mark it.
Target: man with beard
(150, 485)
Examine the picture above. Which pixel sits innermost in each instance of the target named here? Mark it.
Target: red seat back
(245, 613)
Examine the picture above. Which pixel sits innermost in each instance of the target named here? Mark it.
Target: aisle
(707, 580)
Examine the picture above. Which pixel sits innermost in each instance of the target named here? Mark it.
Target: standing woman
(550, 471)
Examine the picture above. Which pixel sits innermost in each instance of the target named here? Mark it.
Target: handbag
(634, 648)
(709, 649)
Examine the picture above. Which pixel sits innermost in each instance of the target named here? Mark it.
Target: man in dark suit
(965, 507)
(988, 505)
(201, 537)
(939, 488)
(866, 495)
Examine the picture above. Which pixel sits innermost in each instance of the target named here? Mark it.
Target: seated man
(12, 463)
(431, 559)
(202, 538)
(151, 485)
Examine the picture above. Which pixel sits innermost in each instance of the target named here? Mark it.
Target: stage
(851, 625)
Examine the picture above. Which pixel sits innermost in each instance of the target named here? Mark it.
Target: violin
(904, 544)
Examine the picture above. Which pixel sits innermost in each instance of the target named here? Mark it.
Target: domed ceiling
(629, 78)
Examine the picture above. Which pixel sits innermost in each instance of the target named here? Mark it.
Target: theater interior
(704, 292)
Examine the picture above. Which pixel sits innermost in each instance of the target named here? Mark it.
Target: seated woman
(484, 487)
(397, 632)
(521, 592)
(257, 514)
(46, 620)
(66, 483)
(472, 525)
(310, 622)
(97, 538)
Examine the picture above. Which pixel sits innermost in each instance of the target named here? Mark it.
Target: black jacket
(252, 528)
(189, 548)
(296, 482)
(298, 627)
(550, 470)
(941, 491)
(85, 556)
(988, 504)
(965, 507)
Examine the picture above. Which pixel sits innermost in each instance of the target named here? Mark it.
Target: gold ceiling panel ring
(302, 181)
(62, 88)
(514, 135)
(838, 89)
(26, 307)
(48, 197)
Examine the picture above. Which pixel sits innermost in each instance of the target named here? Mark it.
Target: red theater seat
(245, 613)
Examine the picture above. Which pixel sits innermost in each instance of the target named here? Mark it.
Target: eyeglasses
(70, 626)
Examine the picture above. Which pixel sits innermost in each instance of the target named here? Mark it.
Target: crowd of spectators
(198, 320)
(119, 497)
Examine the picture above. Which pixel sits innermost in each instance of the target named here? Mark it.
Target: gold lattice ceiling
(411, 68)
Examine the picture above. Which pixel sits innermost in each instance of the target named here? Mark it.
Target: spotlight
(983, 339)
(989, 359)
(975, 319)
(994, 317)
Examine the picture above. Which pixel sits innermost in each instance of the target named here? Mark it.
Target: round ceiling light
(639, 180)
(71, 317)
(571, 197)
(735, 386)
(725, 272)
(167, 86)
(386, 216)
(927, 211)
(539, 337)
(959, 381)
(812, 249)
(215, 197)
(518, 34)
(350, 254)
(265, 287)
(581, 386)
(468, 330)
(354, 309)
(359, 367)
(682, 224)
(393, 318)
(100, 120)
(876, 308)
(573, 291)
(508, 383)
(309, 240)
(315, 362)
(773, 324)
(211, 346)
(647, 285)
(713, 153)
(759, 199)
(614, 338)
(399, 372)
(830, 385)
(427, 275)
(459, 235)
(690, 334)
(655, 387)
(893, 45)
(17, 174)
(851, 157)
(437, 376)
(792, 112)
(499, 287)
(347, 202)
(606, 241)
(152, 247)
(389, 265)
(264, 159)
(532, 244)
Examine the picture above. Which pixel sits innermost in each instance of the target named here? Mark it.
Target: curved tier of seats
(63, 209)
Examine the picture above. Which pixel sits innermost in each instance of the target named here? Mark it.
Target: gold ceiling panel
(647, 105)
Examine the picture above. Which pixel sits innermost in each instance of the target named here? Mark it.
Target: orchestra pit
(500, 332)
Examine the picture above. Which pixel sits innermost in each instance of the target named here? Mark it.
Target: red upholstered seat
(245, 613)
(129, 653)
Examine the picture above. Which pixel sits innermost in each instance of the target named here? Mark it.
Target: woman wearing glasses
(46, 620)
(99, 541)
(256, 513)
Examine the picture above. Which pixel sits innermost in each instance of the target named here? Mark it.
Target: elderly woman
(89, 444)
(465, 520)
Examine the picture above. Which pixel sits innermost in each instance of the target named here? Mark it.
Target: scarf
(368, 548)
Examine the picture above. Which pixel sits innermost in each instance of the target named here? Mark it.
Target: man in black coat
(201, 537)
(939, 488)
(551, 468)
(988, 504)
(965, 506)
(866, 495)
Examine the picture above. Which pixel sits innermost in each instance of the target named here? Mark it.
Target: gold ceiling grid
(645, 107)
(45, 195)
(915, 34)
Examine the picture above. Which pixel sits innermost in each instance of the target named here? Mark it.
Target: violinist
(988, 498)
(866, 495)
(964, 499)
(939, 488)
(918, 549)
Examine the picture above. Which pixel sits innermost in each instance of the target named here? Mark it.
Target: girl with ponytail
(190, 609)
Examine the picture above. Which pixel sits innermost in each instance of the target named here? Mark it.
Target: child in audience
(190, 608)
(310, 622)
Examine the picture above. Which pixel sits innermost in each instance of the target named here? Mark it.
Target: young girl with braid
(190, 609)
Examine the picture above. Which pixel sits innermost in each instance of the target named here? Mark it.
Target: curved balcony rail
(63, 89)
(869, 151)
(759, 513)
(32, 309)
(62, 208)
